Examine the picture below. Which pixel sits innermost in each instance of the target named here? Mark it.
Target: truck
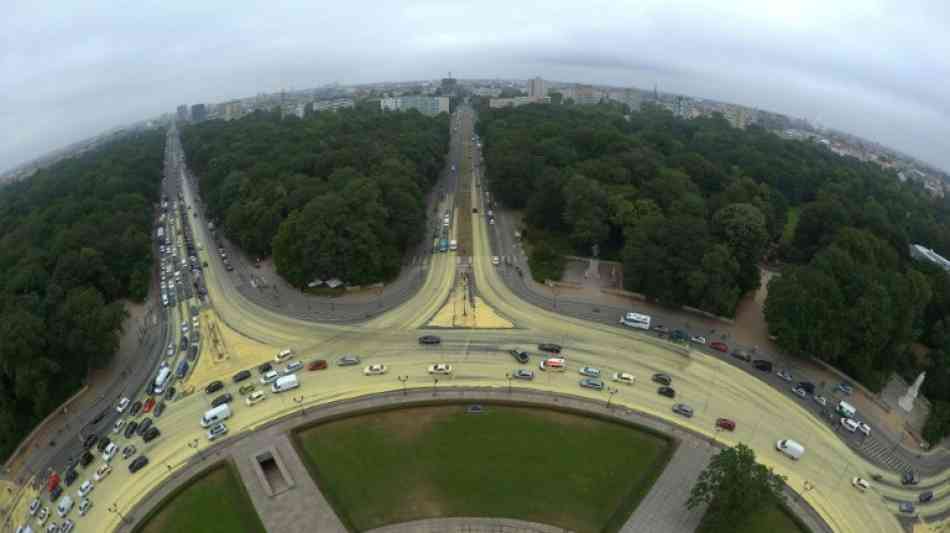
(215, 415)
(444, 245)
(285, 383)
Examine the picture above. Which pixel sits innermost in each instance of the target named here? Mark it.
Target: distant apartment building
(199, 112)
(487, 92)
(631, 97)
(182, 114)
(536, 88)
(586, 95)
(332, 105)
(232, 110)
(498, 103)
(427, 105)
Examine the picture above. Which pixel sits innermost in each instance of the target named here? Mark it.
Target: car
(906, 508)
(103, 442)
(217, 430)
(844, 388)
(348, 360)
(84, 506)
(523, 374)
(784, 374)
(683, 409)
(265, 368)
(624, 377)
(820, 400)
(679, 335)
(429, 339)
(317, 364)
(159, 409)
(662, 379)
(55, 493)
(860, 483)
(698, 340)
(119, 424)
(143, 427)
(293, 367)
(90, 441)
(214, 387)
(283, 355)
(149, 404)
(550, 348)
(170, 394)
(246, 389)
(221, 400)
(122, 405)
(807, 386)
(375, 370)
(184, 323)
(763, 365)
(151, 434)
(85, 489)
(589, 371)
(128, 451)
(925, 496)
(442, 369)
(254, 397)
(43, 515)
(110, 452)
(241, 376)
(130, 429)
(269, 377)
(719, 346)
(909, 478)
(661, 329)
(86, 458)
(102, 472)
(849, 424)
(726, 424)
(520, 355)
(800, 392)
(864, 428)
(34, 506)
(592, 383)
(137, 464)
(741, 355)
(495, 260)
(70, 476)
(170, 350)
(135, 409)
(67, 526)
(666, 391)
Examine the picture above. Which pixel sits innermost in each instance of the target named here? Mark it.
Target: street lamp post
(403, 380)
(508, 377)
(435, 383)
(610, 395)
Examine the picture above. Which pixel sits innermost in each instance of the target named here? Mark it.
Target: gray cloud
(877, 68)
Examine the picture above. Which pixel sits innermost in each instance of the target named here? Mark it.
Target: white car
(625, 378)
(254, 397)
(102, 472)
(119, 424)
(293, 367)
(698, 340)
(84, 489)
(109, 452)
(122, 405)
(495, 260)
(67, 526)
(217, 430)
(84, 507)
(441, 369)
(34, 506)
(820, 400)
(184, 326)
(860, 484)
(170, 350)
(42, 516)
(52, 528)
(375, 370)
(864, 428)
(269, 376)
(849, 424)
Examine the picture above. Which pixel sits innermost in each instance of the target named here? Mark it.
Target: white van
(790, 448)
(64, 506)
(161, 381)
(554, 364)
(285, 383)
(846, 410)
(218, 414)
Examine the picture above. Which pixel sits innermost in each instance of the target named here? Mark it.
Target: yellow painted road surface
(480, 358)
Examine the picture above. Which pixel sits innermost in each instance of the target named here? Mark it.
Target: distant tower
(656, 94)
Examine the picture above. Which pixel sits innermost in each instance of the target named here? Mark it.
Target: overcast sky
(876, 68)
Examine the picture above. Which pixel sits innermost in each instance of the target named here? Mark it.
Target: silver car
(523, 373)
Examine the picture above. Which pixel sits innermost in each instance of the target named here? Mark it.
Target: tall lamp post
(435, 383)
(508, 377)
(403, 380)
(610, 395)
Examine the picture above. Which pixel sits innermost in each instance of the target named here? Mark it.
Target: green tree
(734, 486)
(742, 227)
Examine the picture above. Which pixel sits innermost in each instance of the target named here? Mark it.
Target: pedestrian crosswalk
(883, 455)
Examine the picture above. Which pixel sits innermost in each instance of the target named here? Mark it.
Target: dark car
(807, 386)
(719, 346)
(143, 427)
(906, 507)
(135, 409)
(55, 493)
(909, 478)
(241, 376)
(925, 496)
(725, 423)
(221, 400)
(520, 355)
(138, 464)
(550, 348)
(661, 329)
(103, 442)
(70, 476)
(90, 441)
(663, 379)
(265, 368)
(430, 339)
(741, 355)
(666, 391)
(683, 409)
(763, 365)
(159, 409)
(151, 434)
(169, 394)
(679, 335)
(86, 458)
(128, 451)
(130, 428)
(214, 387)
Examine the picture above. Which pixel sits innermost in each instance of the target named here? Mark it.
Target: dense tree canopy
(336, 194)
(75, 239)
(692, 207)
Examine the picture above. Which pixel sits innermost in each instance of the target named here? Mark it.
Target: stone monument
(907, 400)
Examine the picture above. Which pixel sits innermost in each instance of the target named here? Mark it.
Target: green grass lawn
(791, 222)
(213, 503)
(531, 464)
(774, 519)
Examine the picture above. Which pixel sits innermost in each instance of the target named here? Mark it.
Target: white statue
(907, 400)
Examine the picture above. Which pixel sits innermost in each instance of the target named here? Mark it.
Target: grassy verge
(791, 222)
(538, 465)
(213, 502)
(774, 519)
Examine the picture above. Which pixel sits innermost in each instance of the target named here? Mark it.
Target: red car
(319, 364)
(148, 405)
(726, 424)
(719, 345)
(52, 482)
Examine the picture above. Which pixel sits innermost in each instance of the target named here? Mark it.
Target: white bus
(636, 320)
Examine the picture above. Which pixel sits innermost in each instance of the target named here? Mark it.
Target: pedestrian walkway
(878, 453)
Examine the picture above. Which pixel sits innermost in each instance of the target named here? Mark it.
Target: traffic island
(464, 309)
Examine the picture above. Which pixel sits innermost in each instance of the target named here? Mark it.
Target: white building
(497, 103)
(536, 88)
(427, 105)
